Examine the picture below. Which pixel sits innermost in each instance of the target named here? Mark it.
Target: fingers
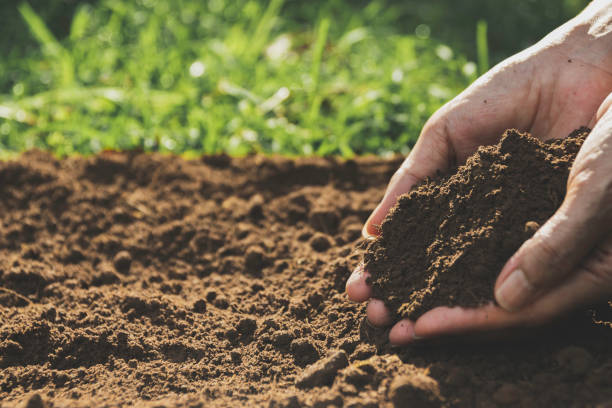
(476, 117)
(603, 109)
(431, 153)
(402, 333)
(548, 257)
(401, 182)
(590, 283)
(378, 314)
(357, 288)
(571, 233)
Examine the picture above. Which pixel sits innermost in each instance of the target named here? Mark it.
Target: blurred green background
(191, 76)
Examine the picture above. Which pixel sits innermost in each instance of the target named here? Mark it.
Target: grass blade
(482, 47)
(51, 46)
(261, 34)
(316, 66)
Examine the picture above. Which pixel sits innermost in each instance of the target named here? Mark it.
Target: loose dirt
(446, 241)
(148, 280)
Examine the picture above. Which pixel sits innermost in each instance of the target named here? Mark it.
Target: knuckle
(544, 262)
(598, 267)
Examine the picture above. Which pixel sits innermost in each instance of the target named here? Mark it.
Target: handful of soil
(445, 242)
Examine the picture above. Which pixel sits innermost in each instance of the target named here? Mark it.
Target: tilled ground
(132, 279)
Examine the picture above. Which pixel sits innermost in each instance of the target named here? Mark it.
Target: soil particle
(254, 258)
(323, 371)
(199, 306)
(320, 242)
(282, 338)
(446, 241)
(246, 327)
(35, 401)
(256, 205)
(122, 262)
(324, 220)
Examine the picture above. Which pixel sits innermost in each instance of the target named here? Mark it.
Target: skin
(559, 84)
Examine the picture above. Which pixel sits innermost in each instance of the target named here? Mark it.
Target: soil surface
(148, 280)
(446, 241)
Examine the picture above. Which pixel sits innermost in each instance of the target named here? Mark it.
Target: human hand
(549, 89)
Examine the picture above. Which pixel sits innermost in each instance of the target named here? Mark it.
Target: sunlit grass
(192, 76)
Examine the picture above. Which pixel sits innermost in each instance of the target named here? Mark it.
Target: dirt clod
(320, 242)
(323, 371)
(246, 327)
(122, 262)
(35, 401)
(414, 391)
(254, 258)
(199, 306)
(304, 352)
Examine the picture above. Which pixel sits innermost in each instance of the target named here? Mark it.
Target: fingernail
(356, 274)
(364, 231)
(515, 292)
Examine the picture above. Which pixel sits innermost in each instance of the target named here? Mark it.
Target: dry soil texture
(132, 279)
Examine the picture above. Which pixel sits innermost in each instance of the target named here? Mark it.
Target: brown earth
(148, 280)
(477, 217)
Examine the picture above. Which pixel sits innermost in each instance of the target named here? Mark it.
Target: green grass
(236, 76)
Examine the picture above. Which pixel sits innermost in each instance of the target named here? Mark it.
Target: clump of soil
(445, 242)
(146, 280)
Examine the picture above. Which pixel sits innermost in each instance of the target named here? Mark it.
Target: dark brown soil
(446, 241)
(147, 280)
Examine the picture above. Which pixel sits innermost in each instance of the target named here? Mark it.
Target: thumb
(560, 245)
(573, 231)
(545, 259)
(432, 152)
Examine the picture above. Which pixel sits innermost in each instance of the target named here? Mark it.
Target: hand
(549, 89)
